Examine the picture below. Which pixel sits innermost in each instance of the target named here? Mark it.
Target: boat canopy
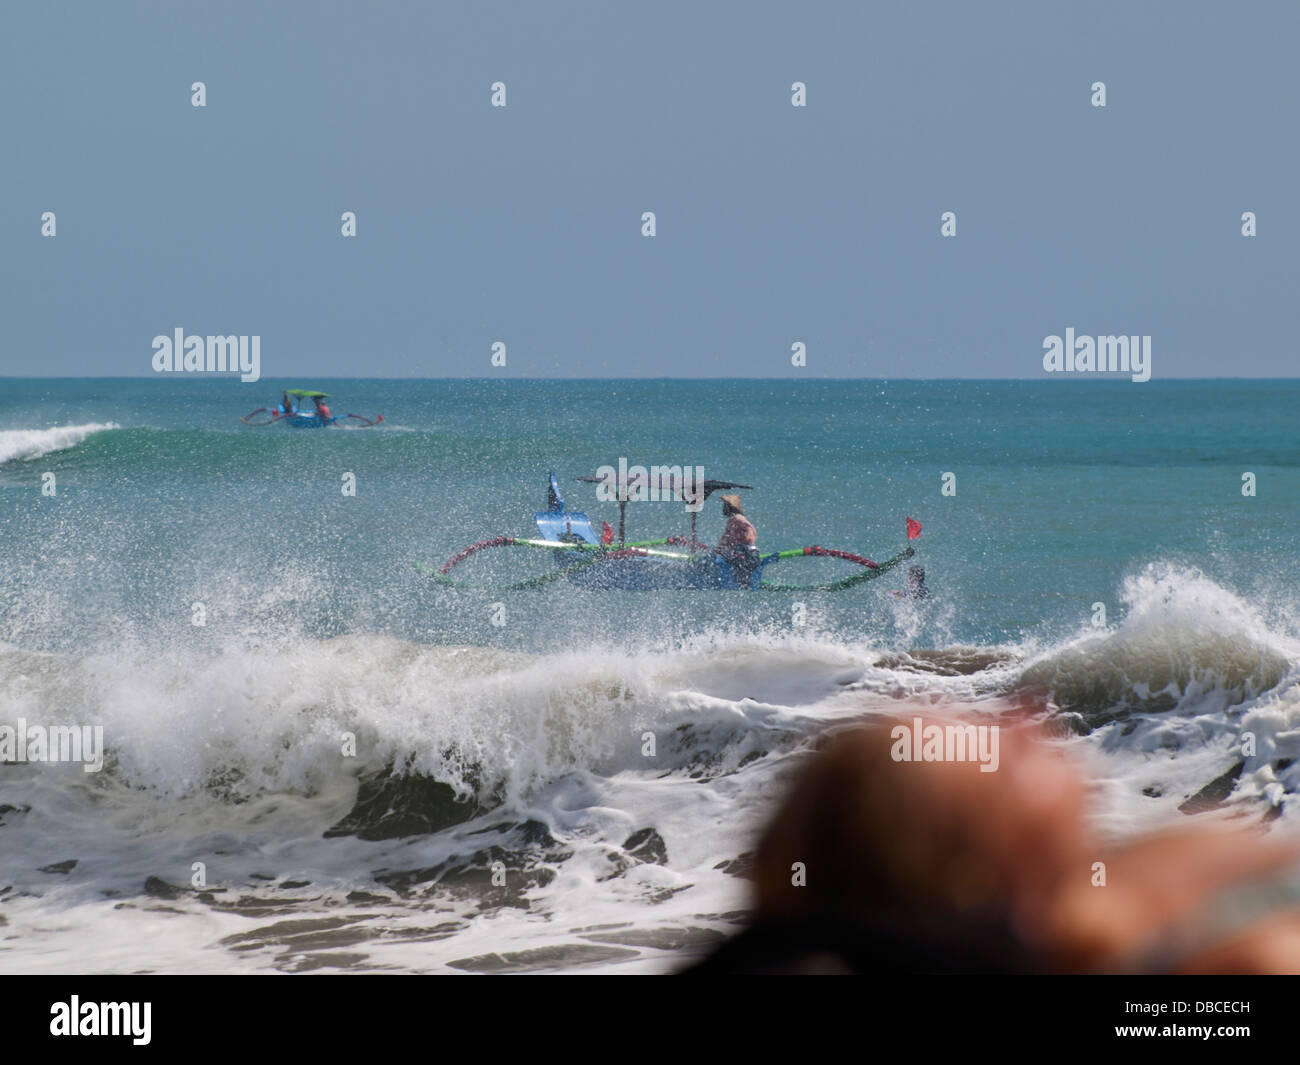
(303, 393)
(672, 483)
(667, 482)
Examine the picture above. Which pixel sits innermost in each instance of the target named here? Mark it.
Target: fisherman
(916, 583)
(738, 544)
(322, 408)
(916, 586)
(569, 536)
(286, 404)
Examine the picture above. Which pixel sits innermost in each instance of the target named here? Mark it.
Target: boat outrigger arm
(593, 560)
(305, 419)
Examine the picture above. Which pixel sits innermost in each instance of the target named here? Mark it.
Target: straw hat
(733, 502)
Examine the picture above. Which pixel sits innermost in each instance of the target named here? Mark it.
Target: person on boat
(322, 408)
(916, 586)
(569, 536)
(286, 404)
(739, 541)
(916, 583)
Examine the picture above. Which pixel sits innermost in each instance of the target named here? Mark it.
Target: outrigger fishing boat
(289, 412)
(594, 560)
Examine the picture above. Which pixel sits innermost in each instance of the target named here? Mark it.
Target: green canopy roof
(304, 394)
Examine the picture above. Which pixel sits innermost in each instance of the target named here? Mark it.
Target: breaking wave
(21, 444)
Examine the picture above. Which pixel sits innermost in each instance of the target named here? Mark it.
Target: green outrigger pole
(835, 586)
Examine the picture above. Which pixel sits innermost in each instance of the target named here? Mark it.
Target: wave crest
(23, 444)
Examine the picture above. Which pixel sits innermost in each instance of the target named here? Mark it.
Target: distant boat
(288, 412)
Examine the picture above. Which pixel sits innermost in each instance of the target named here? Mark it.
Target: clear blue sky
(775, 224)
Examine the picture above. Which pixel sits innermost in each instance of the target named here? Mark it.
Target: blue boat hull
(654, 574)
(304, 421)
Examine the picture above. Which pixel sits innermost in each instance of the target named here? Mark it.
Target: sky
(775, 224)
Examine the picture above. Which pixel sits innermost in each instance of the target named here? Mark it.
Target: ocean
(318, 759)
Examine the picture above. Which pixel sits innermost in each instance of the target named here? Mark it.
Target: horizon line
(1117, 377)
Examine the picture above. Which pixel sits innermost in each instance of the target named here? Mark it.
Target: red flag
(913, 529)
(607, 534)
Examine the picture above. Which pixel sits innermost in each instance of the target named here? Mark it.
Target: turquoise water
(522, 716)
(1061, 490)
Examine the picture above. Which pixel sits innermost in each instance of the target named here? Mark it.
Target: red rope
(846, 555)
(500, 541)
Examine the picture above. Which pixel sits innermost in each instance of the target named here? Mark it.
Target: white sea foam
(1174, 694)
(18, 444)
(235, 760)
